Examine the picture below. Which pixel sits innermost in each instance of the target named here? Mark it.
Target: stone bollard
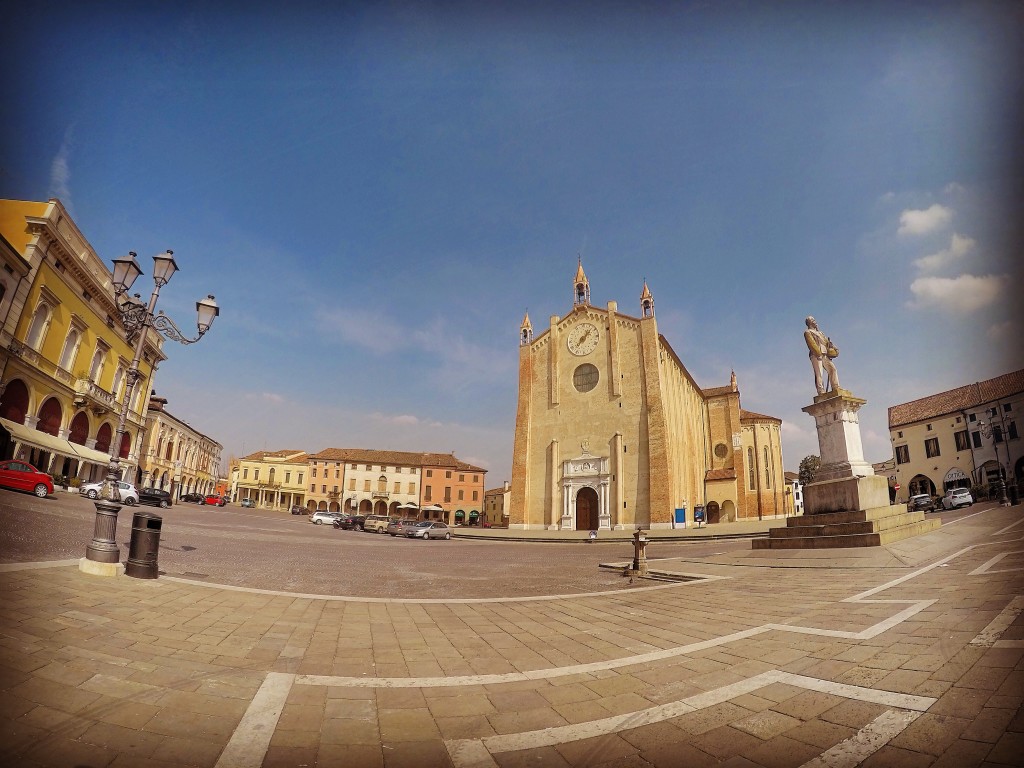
(639, 553)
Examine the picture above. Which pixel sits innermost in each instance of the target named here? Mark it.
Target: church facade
(613, 432)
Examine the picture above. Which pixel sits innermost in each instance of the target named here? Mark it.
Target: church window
(767, 471)
(721, 450)
(585, 377)
(751, 477)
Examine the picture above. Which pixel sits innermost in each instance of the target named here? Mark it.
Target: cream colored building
(365, 481)
(613, 432)
(964, 437)
(273, 479)
(175, 456)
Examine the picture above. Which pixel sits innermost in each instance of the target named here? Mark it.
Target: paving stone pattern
(908, 657)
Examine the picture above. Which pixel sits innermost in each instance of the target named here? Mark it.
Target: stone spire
(646, 302)
(581, 286)
(732, 382)
(525, 331)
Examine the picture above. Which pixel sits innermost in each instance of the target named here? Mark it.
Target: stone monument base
(863, 528)
(846, 494)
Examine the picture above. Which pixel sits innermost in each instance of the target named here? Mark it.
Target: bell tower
(581, 286)
(646, 302)
(526, 331)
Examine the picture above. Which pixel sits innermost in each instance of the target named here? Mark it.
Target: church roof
(956, 400)
(716, 391)
(751, 416)
(720, 474)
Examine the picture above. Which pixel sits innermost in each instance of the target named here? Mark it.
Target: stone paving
(906, 655)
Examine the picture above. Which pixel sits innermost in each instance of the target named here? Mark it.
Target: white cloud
(962, 294)
(60, 170)
(403, 420)
(1005, 331)
(959, 246)
(915, 222)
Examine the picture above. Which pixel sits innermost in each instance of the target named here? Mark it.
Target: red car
(24, 477)
(215, 500)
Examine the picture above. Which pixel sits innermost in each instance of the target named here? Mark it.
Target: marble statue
(821, 352)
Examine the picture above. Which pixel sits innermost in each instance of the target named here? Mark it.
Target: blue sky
(375, 194)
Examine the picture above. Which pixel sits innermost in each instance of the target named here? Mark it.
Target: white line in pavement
(1010, 527)
(438, 600)
(249, 742)
(477, 753)
(868, 740)
(989, 636)
(987, 567)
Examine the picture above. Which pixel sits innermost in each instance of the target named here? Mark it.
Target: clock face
(583, 339)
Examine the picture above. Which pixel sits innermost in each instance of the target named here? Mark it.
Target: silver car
(127, 491)
(426, 529)
(319, 518)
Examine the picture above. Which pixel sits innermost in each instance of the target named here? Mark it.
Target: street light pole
(137, 320)
(988, 432)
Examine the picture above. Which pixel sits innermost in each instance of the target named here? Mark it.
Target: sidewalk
(912, 654)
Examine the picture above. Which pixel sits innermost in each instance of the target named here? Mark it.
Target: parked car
(298, 509)
(397, 527)
(350, 522)
(155, 496)
(24, 477)
(126, 491)
(194, 498)
(376, 523)
(249, 503)
(922, 502)
(428, 529)
(321, 517)
(214, 500)
(955, 498)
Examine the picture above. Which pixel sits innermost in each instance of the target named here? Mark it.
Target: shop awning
(91, 455)
(460, 513)
(41, 440)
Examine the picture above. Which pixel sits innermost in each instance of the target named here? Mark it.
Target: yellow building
(65, 359)
(273, 479)
(613, 432)
(176, 457)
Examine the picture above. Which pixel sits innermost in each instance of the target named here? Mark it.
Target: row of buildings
(64, 359)
(962, 438)
(432, 486)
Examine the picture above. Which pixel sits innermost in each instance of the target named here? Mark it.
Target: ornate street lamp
(988, 433)
(137, 318)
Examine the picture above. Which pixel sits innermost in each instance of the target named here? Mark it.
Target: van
(375, 523)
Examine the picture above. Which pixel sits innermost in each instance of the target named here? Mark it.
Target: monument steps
(840, 531)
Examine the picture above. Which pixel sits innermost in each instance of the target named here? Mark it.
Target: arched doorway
(103, 438)
(365, 507)
(14, 402)
(380, 508)
(920, 484)
(713, 513)
(79, 429)
(586, 510)
(49, 417)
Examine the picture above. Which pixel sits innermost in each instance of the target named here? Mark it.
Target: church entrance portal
(586, 510)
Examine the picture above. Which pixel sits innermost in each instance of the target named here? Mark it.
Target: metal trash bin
(144, 546)
(1013, 494)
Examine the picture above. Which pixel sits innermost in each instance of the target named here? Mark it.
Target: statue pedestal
(847, 505)
(844, 481)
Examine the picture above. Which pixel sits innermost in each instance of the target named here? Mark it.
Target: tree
(808, 466)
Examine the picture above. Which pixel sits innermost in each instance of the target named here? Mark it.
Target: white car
(319, 518)
(129, 495)
(957, 497)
